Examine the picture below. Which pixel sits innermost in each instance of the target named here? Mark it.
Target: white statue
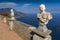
(43, 17)
(12, 14)
(11, 23)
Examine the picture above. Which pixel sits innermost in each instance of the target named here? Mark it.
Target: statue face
(42, 8)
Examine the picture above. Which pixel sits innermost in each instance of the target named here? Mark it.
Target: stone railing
(22, 29)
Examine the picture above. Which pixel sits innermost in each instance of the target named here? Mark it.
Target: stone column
(42, 28)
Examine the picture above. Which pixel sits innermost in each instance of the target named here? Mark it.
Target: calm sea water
(54, 24)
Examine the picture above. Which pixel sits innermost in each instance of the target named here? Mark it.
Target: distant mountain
(17, 13)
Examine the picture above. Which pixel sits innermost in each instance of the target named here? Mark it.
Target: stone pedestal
(42, 33)
(42, 28)
(36, 37)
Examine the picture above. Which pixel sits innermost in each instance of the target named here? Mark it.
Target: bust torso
(44, 16)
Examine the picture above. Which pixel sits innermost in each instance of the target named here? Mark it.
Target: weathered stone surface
(32, 28)
(42, 28)
(23, 31)
(42, 34)
(36, 37)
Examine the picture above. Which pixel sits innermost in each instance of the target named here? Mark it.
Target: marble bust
(43, 17)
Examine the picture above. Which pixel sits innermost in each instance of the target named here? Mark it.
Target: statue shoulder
(49, 15)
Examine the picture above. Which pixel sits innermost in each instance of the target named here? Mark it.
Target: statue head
(42, 7)
(12, 12)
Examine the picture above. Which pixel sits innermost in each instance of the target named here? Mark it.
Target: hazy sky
(31, 6)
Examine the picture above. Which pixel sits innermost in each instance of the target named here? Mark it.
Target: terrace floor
(6, 34)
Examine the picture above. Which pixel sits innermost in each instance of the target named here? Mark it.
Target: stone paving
(6, 34)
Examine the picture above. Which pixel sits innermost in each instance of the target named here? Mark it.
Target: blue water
(54, 24)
